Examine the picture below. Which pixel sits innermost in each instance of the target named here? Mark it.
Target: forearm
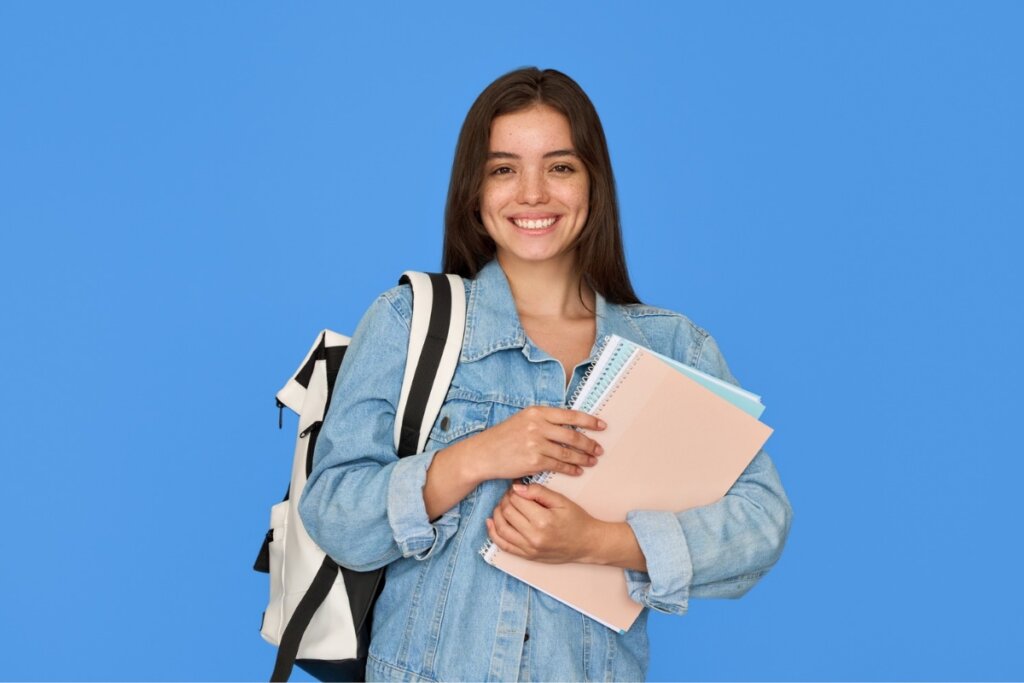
(742, 534)
(450, 478)
(615, 544)
(714, 551)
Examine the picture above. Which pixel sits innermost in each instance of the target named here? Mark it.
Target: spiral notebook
(676, 438)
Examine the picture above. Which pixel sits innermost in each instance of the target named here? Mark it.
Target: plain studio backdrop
(189, 192)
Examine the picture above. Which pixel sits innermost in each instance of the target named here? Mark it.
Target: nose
(532, 187)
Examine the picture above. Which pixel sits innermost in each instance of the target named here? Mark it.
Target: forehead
(537, 129)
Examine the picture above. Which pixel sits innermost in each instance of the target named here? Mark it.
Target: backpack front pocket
(273, 618)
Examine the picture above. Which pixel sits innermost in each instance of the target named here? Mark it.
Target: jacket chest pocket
(458, 419)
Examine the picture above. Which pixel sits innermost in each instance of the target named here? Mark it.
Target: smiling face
(536, 190)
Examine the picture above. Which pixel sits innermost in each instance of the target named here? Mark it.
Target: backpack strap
(435, 343)
(288, 648)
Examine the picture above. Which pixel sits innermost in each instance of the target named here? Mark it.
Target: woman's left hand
(536, 523)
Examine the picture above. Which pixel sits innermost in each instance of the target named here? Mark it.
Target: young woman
(532, 224)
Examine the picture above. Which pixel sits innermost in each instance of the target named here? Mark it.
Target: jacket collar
(492, 321)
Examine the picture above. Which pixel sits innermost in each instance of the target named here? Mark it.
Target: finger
(577, 440)
(520, 514)
(537, 496)
(566, 454)
(552, 464)
(499, 541)
(508, 527)
(525, 512)
(575, 418)
(556, 444)
(507, 532)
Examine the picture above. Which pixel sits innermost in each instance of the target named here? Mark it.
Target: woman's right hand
(536, 439)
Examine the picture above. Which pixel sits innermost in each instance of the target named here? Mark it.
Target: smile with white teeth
(534, 224)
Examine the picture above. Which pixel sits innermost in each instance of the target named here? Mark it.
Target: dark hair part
(467, 246)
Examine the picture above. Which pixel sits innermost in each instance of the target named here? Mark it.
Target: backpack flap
(329, 346)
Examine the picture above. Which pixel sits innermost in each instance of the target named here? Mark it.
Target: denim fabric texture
(445, 614)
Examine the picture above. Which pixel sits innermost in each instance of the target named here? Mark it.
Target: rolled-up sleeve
(714, 551)
(362, 504)
(665, 586)
(407, 512)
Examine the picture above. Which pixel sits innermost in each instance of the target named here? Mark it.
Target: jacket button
(444, 423)
(526, 637)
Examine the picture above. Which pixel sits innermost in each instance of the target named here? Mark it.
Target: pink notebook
(671, 444)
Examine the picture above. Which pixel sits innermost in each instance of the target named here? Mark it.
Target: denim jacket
(445, 614)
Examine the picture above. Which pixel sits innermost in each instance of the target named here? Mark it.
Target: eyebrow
(554, 153)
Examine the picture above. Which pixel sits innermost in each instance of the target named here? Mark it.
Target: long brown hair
(467, 246)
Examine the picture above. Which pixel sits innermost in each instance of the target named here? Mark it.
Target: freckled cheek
(493, 198)
(490, 213)
(578, 198)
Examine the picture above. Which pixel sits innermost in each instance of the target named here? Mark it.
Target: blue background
(190, 192)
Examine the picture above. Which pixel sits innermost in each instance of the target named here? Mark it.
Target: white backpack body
(310, 611)
(294, 557)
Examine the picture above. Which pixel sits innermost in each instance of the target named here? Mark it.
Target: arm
(718, 550)
(450, 478)
(714, 551)
(361, 504)
(533, 440)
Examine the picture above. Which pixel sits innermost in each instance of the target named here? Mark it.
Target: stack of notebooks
(677, 438)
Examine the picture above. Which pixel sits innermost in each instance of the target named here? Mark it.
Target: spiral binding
(488, 551)
(586, 375)
(611, 367)
(621, 373)
(539, 478)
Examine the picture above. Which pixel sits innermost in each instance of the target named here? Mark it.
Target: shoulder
(667, 331)
(661, 317)
(399, 298)
(676, 335)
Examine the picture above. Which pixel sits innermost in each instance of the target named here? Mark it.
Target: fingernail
(599, 450)
(602, 424)
(519, 488)
(592, 460)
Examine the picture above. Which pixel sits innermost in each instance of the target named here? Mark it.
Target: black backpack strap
(435, 343)
(307, 607)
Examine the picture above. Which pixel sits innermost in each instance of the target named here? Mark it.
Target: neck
(550, 289)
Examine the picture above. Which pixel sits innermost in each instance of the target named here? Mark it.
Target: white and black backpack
(320, 613)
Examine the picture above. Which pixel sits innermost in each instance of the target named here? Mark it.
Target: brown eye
(563, 168)
(501, 170)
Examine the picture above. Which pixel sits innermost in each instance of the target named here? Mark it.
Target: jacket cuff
(665, 586)
(415, 535)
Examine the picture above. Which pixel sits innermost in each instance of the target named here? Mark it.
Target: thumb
(539, 494)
